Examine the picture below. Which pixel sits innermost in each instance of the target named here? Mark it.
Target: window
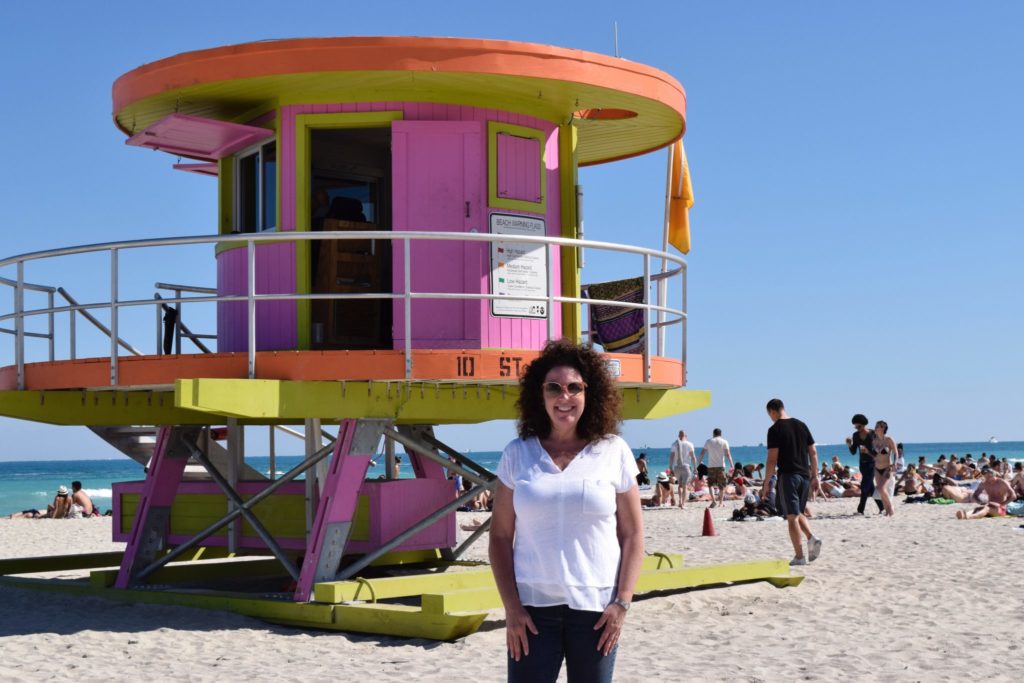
(256, 189)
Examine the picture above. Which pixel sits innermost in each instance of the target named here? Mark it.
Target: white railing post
(551, 296)
(19, 324)
(407, 274)
(251, 303)
(72, 314)
(49, 320)
(686, 315)
(159, 326)
(113, 316)
(647, 318)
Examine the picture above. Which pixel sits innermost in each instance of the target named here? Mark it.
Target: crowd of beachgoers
(991, 483)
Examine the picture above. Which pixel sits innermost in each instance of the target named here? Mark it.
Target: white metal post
(647, 318)
(49, 320)
(19, 324)
(407, 274)
(251, 303)
(113, 317)
(662, 284)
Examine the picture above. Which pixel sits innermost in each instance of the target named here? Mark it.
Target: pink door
(439, 176)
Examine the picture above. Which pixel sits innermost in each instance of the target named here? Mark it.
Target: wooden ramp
(439, 601)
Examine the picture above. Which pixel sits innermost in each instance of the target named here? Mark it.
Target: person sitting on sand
(81, 503)
(1017, 482)
(700, 490)
(911, 482)
(662, 493)
(999, 494)
(58, 509)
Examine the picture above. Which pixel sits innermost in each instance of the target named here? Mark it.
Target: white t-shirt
(680, 455)
(566, 549)
(716, 446)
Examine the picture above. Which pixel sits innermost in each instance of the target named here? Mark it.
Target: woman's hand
(517, 621)
(612, 620)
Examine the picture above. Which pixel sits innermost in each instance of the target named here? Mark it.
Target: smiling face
(564, 410)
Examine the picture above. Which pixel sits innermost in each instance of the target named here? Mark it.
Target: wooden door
(438, 176)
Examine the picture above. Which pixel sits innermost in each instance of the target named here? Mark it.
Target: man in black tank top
(791, 450)
(863, 441)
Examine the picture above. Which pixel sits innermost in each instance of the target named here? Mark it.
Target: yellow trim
(304, 123)
(567, 177)
(494, 129)
(426, 403)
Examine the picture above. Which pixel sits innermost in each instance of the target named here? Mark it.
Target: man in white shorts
(683, 464)
(717, 450)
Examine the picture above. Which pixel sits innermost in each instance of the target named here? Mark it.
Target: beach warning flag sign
(680, 200)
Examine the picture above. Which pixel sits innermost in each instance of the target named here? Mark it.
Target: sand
(920, 597)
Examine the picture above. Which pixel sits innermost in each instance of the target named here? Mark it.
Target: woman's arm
(503, 531)
(630, 530)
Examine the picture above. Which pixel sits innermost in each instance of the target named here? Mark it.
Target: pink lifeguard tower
(399, 234)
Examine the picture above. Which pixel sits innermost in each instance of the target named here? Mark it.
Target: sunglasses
(555, 389)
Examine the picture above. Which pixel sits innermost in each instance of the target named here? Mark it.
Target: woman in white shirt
(566, 532)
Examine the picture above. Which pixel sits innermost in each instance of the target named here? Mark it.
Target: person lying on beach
(998, 494)
(700, 490)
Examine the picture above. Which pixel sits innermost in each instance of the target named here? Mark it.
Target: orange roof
(548, 82)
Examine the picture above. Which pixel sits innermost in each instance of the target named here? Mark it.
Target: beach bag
(1016, 508)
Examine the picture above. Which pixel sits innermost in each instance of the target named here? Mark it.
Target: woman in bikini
(885, 464)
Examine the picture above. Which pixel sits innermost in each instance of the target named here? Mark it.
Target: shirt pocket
(598, 497)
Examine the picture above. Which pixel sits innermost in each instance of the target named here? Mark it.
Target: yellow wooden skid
(440, 582)
(31, 565)
(401, 586)
(687, 577)
(406, 621)
(198, 571)
(651, 579)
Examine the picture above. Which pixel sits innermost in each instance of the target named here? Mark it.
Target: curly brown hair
(601, 415)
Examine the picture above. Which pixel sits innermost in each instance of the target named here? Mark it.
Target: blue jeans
(568, 634)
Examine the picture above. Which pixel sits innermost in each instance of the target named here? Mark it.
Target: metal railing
(667, 316)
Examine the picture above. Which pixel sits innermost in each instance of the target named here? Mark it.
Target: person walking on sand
(862, 443)
(683, 462)
(791, 450)
(717, 450)
(884, 451)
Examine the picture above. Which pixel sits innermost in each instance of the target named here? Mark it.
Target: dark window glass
(248, 193)
(269, 186)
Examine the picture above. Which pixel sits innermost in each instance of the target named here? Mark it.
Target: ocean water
(32, 484)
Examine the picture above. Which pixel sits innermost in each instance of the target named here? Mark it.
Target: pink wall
(443, 326)
(275, 320)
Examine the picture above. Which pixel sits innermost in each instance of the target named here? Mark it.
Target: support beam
(357, 442)
(152, 521)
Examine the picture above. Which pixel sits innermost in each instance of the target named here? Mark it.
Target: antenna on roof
(615, 24)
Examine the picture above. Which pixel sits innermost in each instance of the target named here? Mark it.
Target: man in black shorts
(791, 449)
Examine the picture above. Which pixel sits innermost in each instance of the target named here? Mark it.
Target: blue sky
(857, 168)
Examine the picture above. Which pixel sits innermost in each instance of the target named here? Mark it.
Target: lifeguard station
(400, 231)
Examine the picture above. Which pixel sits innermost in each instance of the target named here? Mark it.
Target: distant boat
(993, 439)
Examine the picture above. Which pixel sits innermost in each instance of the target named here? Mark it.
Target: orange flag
(680, 200)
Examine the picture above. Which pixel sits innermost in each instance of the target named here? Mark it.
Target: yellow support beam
(97, 408)
(409, 403)
(404, 621)
(401, 586)
(709, 575)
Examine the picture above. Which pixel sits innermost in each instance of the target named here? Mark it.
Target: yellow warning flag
(680, 200)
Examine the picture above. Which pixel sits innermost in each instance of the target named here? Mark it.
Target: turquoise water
(32, 484)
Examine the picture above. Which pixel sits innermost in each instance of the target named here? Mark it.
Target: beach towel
(619, 330)
(941, 501)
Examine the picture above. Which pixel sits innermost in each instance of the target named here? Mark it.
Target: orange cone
(709, 525)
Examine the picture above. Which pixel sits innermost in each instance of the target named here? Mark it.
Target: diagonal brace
(237, 512)
(256, 524)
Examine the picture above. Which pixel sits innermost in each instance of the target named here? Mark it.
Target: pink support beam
(152, 520)
(357, 442)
